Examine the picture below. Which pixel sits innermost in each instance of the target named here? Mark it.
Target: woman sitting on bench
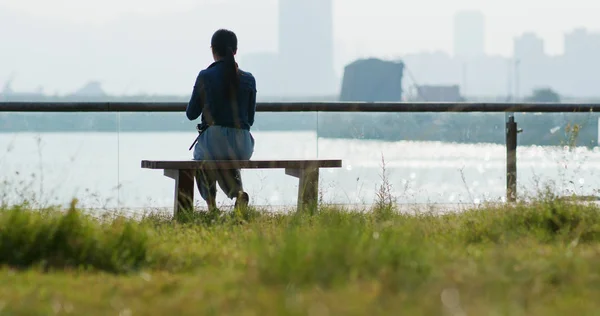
(225, 96)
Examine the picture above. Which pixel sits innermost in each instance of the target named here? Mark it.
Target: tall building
(580, 62)
(581, 43)
(531, 66)
(528, 47)
(469, 34)
(306, 47)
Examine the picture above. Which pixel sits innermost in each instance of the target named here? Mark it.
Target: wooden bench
(183, 172)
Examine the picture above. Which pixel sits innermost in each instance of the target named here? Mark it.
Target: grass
(535, 258)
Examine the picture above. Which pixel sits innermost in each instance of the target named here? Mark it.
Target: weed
(385, 201)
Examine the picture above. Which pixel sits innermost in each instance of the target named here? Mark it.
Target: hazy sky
(382, 28)
(369, 25)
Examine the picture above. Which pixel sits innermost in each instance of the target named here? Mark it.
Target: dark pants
(229, 180)
(222, 143)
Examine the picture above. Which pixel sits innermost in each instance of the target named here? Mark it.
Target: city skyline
(90, 47)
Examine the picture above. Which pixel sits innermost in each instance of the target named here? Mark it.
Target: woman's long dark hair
(224, 43)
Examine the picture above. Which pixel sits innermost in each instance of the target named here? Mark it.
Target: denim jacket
(208, 99)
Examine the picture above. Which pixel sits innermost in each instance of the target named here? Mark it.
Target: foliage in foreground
(537, 258)
(52, 239)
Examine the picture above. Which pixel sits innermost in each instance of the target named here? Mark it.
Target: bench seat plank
(241, 164)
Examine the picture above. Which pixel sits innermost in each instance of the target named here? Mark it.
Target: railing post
(511, 159)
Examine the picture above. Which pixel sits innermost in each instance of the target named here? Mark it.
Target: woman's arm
(194, 107)
(252, 105)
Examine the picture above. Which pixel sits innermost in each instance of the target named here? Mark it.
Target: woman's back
(223, 108)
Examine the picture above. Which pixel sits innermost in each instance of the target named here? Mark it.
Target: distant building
(306, 47)
(581, 43)
(528, 46)
(531, 64)
(372, 80)
(469, 34)
(581, 65)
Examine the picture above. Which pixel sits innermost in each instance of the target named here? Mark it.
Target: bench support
(184, 189)
(308, 187)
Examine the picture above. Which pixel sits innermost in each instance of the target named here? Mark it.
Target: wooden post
(184, 190)
(308, 187)
(511, 160)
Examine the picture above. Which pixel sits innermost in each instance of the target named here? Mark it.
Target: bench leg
(184, 190)
(308, 187)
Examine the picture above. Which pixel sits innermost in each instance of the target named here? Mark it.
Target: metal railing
(509, 108)
(306, 107)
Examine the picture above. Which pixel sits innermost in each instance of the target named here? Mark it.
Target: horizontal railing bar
(305, 107)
